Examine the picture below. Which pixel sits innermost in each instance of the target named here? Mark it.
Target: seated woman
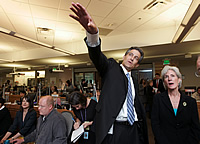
(84, 109)
(5, 119)
(25, 120)
(174, 116)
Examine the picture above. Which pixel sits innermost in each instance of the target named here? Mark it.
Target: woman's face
(151, 83)
(77, 107)
(171, 80)
(25, 104)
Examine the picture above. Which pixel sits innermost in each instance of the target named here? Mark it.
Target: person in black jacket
(25, 120)
(120, 116)
(174, 118)
(5, 119)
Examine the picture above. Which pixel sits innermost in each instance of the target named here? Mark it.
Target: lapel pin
(184, 103)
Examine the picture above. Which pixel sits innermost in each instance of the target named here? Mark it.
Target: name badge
(86, 135)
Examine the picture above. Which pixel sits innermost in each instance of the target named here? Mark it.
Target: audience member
(5, 119)
(158, 83)
(174, 116)
(116, 122)
(150, 92)
(84, 109)
(51, 127)
(25, 120)
(142, 91)
(196, 95)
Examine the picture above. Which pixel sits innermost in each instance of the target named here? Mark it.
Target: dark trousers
(124, 134)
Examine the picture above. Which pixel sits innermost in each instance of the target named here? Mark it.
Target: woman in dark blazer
(174, 116)
(25, 120)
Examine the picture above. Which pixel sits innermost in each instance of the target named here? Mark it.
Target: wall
(58, 77)
(188, 68)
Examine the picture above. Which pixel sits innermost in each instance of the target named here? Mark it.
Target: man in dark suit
(158, 83)
(120, 116)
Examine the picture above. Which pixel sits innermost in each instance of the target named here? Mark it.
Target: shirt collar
(2, 107)
(124, 69)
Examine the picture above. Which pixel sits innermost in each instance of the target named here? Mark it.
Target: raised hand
(83, 17)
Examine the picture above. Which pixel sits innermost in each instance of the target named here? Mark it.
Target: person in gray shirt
(51, 127)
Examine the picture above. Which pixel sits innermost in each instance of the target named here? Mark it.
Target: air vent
(44, 31)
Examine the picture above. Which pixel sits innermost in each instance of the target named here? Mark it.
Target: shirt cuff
(92, 39)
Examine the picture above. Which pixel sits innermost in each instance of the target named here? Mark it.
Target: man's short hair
(138, 49)
(157, 74)
(198, 88)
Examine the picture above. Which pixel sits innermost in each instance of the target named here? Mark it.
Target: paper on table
(77, 133)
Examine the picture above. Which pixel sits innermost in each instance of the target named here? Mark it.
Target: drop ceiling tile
(139, 5)
(46, 3)
(17, 8)
(63, 16)
(99, 8)
(110, 23)
(44, 12)
(62, 37)
(140, 17)
(111, 1)
(135, 21)
(97, 19)
(5, 22)
(69, 27)
(24, 1)
(127, 27)
(65, 4)
(23, 25)
(121, 13)
(45, 39)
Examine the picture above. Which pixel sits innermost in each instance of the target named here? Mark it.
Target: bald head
(46, 105)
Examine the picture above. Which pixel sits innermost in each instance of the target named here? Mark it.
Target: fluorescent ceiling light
(14, 34)
(190, 20)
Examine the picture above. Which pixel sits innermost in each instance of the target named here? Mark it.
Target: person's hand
(76, 125)
(2, 140)
(86, 124)
(83, 17)
(17, 141)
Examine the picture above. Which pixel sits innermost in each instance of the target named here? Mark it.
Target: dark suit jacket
(160, 85)
(183, 128)
(113, 94)
(27, 126)
(5, 121)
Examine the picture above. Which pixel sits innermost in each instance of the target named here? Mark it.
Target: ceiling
(122, 23)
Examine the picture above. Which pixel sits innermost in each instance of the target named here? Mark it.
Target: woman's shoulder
(32, 111)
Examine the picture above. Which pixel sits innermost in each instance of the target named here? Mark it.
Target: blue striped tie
(130, 110)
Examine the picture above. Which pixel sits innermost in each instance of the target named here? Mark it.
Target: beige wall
(66, 75)
(188, 68)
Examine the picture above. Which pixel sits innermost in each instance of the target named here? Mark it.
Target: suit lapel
(182, 103)
(166, 101)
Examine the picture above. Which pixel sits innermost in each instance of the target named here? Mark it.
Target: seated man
(51, 126)
(196, 95)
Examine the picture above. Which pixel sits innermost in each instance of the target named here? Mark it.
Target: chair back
(69, 119)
